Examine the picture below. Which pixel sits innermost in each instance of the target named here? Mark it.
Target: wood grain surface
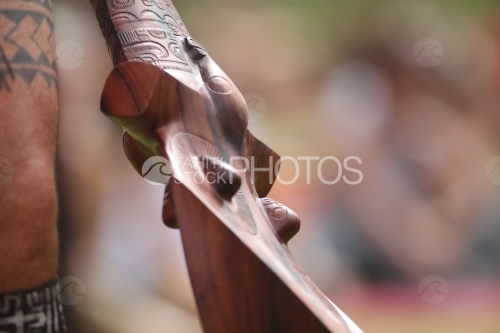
(175, 102)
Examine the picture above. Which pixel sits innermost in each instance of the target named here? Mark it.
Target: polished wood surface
(174, 101)
(238, 292)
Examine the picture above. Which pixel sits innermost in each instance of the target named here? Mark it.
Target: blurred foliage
(335, 15)
(329, 27)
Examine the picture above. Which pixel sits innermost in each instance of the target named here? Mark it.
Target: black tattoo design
(26, 41)
(32, 311)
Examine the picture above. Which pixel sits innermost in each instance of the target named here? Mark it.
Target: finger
(168, 213)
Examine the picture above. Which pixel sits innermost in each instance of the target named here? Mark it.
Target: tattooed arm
(28, 129)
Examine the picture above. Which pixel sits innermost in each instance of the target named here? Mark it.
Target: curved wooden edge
(129, 89)
(265, 158)
(233, 276)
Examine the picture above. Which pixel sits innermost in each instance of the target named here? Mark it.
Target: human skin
(28, 133)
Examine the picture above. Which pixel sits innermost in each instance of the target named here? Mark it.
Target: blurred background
(411, 88)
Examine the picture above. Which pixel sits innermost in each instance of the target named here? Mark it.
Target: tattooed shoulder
(26, 41)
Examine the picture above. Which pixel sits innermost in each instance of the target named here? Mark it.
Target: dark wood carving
(174, 101)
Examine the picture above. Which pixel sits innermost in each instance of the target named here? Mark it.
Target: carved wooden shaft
(152, 31)
(183, 107)
(145, 30)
